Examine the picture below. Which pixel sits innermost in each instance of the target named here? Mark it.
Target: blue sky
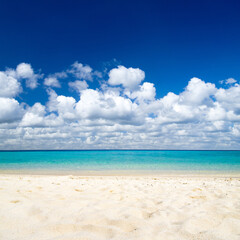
(170, 41)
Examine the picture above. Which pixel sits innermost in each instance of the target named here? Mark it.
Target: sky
(120, 74)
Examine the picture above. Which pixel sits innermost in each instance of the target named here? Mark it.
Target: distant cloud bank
(122, 113)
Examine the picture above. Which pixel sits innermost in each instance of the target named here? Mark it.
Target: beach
(118, 207)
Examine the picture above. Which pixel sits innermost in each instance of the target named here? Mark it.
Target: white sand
(114, 207)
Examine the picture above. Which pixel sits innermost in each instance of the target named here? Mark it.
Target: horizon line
(55, 150)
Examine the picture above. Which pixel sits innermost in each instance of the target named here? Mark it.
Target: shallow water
(137, 160)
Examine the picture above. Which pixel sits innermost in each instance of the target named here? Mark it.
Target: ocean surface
(115, 160)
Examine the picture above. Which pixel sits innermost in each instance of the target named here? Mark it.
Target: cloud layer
(123, 112)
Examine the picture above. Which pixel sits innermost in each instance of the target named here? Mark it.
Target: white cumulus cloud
(34, 117)
(127, 77)
(25, 71)
(9, 86)
(123, 112)
(197, 92)
(10, 110)
(97, 105)
(230, 81)
(52, 82)
(146, 92)
(80, 71)
(78, 85)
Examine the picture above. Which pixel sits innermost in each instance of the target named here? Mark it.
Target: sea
(121, 160)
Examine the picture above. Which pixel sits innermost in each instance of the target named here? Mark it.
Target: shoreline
(139, 173)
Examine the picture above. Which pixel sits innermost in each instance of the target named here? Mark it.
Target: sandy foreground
(119, 207)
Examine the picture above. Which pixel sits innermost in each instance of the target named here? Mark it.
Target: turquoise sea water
(103, 160)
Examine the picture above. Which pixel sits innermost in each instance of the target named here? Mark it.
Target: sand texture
(115, 207)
